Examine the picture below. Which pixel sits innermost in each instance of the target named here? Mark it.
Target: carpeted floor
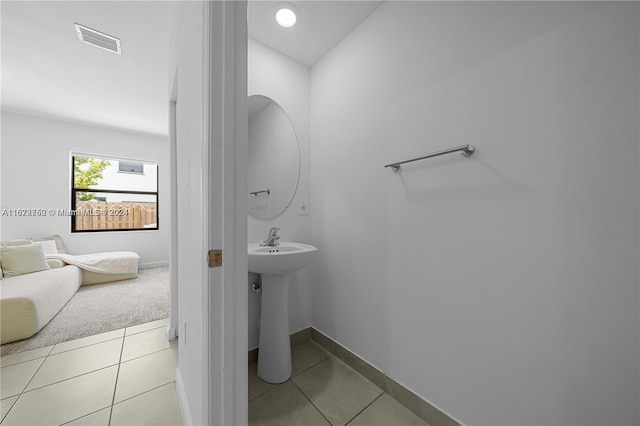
(105, 307)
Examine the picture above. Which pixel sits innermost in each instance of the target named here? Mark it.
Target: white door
(225, 326)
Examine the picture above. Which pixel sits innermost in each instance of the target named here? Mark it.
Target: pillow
(21, 242)
(18, 260)
(59, 244)
(48, 246)
(55, 263)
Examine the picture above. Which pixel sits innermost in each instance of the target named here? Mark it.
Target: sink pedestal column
(274, 354)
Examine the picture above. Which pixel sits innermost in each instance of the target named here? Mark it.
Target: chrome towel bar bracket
(467, 150)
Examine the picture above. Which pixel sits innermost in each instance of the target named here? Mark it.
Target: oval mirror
(273, 168)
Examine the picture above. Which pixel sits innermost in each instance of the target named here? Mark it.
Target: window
(111, 194)
(131, 167)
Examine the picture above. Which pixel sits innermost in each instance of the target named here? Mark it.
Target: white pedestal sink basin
(275, 264)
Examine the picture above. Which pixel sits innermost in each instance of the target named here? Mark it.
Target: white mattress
(30, 301)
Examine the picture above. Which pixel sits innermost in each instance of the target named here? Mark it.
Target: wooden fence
(91, 215)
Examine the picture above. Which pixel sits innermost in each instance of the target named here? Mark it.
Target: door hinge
(214, 258)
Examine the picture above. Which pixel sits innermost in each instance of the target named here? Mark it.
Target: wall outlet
(303, 209)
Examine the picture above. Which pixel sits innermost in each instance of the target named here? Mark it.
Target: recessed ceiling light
(286, 14)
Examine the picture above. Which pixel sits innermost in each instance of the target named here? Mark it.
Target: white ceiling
(321, 25)
(47, 71)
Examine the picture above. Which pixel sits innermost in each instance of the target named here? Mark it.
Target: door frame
(172, 327)
(226, 136)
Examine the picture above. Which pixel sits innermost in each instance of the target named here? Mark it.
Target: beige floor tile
(156, 407)
(387, 411)
(99, 418)
(283, 406)
(257, 386)
(65, 401)
(145, 373)
(5, 406)
(145, 343)
(12, 359)
(337, 390)
(16, 377)
(306, 355)
(161, 323)
(79, 361)
(86, 341)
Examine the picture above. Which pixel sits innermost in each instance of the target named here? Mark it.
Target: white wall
(286, 82)
(113, 178)
(502, 288)
(36, 174)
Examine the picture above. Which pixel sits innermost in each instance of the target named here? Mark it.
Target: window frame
(75, 191)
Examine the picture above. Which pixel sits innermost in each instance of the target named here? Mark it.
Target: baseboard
(150, 265)
(182, 400)
(420, 407)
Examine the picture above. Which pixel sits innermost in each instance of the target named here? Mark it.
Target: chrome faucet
(272, 239)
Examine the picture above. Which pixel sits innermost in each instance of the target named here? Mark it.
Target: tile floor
(323, 390)
(127, 377)
(123, 377)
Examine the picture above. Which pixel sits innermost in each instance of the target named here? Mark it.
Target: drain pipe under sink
(257, 286)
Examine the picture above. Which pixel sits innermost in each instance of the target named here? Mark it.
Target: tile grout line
(310, 367)
(26, 385)
(309, 399)
(124, 334)
(22, 362)
(381, 392)
(150, 353)
(31, 379)
(320, 411)
(272, 388)
(262, 393)
(275, 385)
(51, 350)
(64, 380)
(48, 354)
(79, 375)
(93, 412)
(115, 386)
(421, 408)
(143, 331)
(311, 402)
(147, 391)
(14, 403)
(67, 350)
(85, 346)
(367, 406)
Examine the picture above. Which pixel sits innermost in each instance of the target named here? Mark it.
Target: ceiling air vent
(98, 39)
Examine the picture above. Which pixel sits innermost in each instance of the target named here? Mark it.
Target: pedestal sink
(275, 264)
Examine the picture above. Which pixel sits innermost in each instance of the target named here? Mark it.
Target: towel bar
(467, 150)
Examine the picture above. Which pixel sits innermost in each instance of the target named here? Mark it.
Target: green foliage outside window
(87, 172)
